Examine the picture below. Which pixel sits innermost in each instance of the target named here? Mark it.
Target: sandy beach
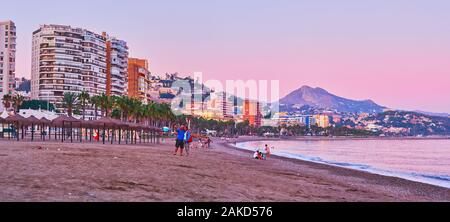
(47, 171)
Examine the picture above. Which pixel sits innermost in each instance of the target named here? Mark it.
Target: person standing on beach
(187, 140)
(201, 142)
(267, 151)
(208, 142)
(179, 144)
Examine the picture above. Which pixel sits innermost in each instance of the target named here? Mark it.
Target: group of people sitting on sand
(262, 154)
(185, 139)
(204, 142)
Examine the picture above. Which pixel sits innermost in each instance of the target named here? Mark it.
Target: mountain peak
(321, 98)
(309, 90)
(305, 87)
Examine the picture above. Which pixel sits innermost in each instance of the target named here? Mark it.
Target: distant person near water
(257, 155)
(179, 143)
(267, 151)
(262, 155)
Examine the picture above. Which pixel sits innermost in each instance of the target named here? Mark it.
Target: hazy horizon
(395, 53)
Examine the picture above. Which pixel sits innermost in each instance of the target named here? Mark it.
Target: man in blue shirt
(179, 144)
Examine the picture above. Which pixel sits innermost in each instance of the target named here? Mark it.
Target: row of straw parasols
(66, 120)
(71, 122)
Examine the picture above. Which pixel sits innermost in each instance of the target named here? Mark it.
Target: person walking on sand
(201, 142)
(187, 140)
(179, 143)
(208, 142)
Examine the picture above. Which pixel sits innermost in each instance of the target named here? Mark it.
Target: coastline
(96, 173)
(373, 177)
(318, 138)
(435, 180)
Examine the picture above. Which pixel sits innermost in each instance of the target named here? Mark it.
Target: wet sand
(38, 171)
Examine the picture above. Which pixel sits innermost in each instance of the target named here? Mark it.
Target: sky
(395, 52)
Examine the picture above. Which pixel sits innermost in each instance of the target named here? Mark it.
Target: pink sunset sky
(394, 52)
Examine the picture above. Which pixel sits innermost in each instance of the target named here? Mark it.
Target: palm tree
(70, 100)
(17, 101)
(122, 103)
(166, 114)
(84, 100)
(95, 102)
(7, 99)
(151, 113)
(135, 109)
(106, 104)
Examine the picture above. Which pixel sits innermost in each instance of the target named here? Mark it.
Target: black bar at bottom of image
(224, 211)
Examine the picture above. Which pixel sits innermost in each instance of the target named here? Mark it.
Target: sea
(421, 160)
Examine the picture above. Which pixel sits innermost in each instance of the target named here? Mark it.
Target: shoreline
(232, 145)
(420, 178)
(319, 138)
(91, 172)
(384, 179)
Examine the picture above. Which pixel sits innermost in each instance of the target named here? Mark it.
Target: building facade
(139, 79)
(7, 58)
(252, 112)
(67, 59)
(116, 66)
(322, 120)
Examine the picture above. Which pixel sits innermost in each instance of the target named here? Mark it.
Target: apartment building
(252, 112)
(7, 58)
(116, 66)
(322, 120)
(139, 79)
(67, 59)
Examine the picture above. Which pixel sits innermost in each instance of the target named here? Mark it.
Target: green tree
(17, 101)
(84, 98)
(70, 101)
(95, 102)
(7, 100)
(106, 104)
(135, 109)
(123, 104)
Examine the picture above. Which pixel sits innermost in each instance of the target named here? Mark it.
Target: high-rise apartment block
(67, 59)
(252, 112)
(116, 66)
(139, 79)
(7, 58)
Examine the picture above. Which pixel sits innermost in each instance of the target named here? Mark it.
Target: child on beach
(201, 142)
(257, 155)
(96, 136)
(262, 155)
